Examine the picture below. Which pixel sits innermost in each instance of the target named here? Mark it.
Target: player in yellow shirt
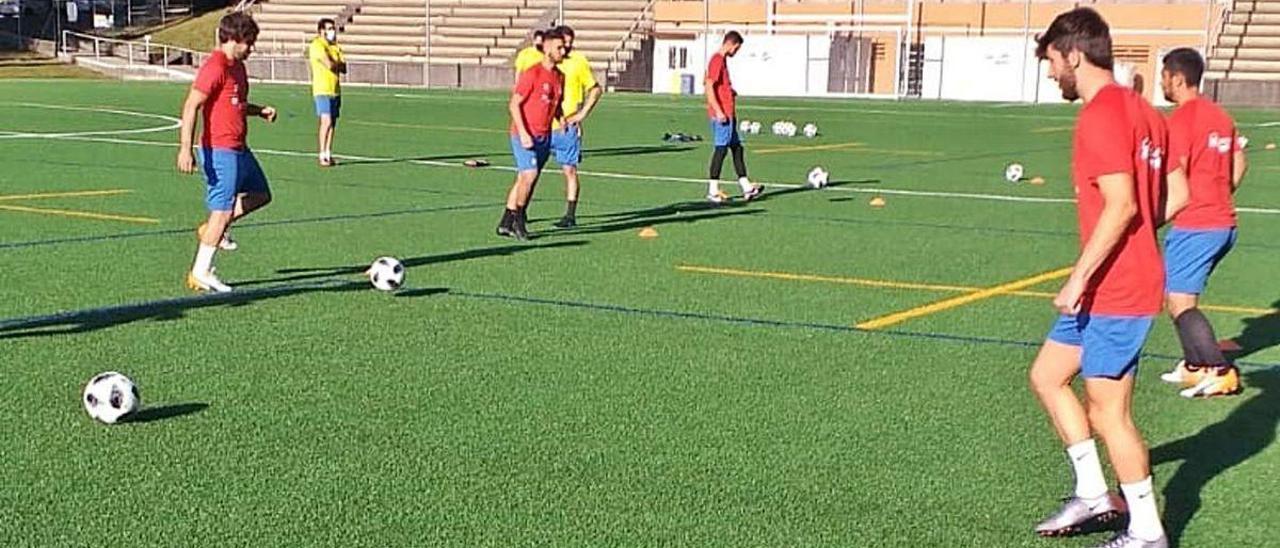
(581, 94)
(326, 64)
(531, 55)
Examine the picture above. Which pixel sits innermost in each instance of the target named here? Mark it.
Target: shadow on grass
(162, 412)
(1259, 334)
(1248, 430)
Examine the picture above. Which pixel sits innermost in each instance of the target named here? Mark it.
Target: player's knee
(1108, 417)
(1177, 303)
(1043, 381)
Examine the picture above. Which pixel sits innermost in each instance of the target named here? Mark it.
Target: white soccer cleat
(1183, 374)
(206, 281)
(718, 197)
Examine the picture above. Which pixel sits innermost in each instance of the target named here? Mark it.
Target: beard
(1067, 83)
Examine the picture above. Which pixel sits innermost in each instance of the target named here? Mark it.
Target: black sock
(739, 162)
(717, 162)
(571, 209)
(507, 216)
(1198, 340)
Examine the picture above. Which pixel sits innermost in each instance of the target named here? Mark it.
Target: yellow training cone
(876, 202)
(1036, 180)
(648, 233)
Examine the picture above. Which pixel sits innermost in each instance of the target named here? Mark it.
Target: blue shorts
(567, 145)
(228, 173)
(531, 159)
(725, 134)
(1191, 255)
(329, 105)
(1109, 345)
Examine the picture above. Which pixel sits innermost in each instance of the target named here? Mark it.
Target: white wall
(980, 69)
(765, 66)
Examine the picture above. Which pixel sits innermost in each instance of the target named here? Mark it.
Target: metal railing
(615, 58)
(134, 52)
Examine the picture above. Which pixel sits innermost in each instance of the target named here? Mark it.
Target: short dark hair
(1081, 29)
(326, 21)
(733, 36)
(237, 27)
(553, 34)
(565, 31)
(537, 34)
(1187, 62)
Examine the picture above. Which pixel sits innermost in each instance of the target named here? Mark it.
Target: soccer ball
(754, 129)
(744, 126)
(1013, 173)
(810, 130)
(789, 129)
(387, 274)
(110, 396)
(818, 177)
(777, 127)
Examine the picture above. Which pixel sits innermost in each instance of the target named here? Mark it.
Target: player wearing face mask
(326, 64)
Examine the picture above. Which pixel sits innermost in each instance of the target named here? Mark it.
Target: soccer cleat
(1079, 516)
(718, 197)
(226, 244)
(519, 232)
(1185, 374)
(1215, 381)
(206, 282)
(1127, 540)
(755, 192)
(566, 222)
(504, 231)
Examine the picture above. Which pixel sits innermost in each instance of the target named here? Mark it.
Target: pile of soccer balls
(748, 126)
(781, 128)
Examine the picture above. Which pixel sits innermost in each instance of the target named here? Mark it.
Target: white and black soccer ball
(810, 130)
(110, 397)
(778, 127)
(1013, 172)
(386, 274)
(744, 126)
(754, 129)
(818, 177)
(789, 129)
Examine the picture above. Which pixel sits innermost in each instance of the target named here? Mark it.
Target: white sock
(745, 183)
(204, 259)
(1090, 484)
(1144, 517)
(713, 187)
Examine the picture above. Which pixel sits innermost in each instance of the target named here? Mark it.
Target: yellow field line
(804, 148)
(420, 126)
(956, 302)
(889, 284)
(1053, 129)
(16, 197)
(81, 214)
(899, 152)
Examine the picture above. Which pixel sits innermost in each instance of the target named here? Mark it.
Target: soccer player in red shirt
(1202, 139)
(721, 99)
(1115, 289)
(236, 184)
(535, 102)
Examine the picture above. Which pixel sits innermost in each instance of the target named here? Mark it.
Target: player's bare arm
(1179, 193)
(713, 101)
(1239, 165)
(187, 133)
(265, 112)
(517, 118)
(1120, 206)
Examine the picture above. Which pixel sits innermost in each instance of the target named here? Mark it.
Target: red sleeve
(210, 78)
(524, 86)
(1106, 144)
(1180, 139)
(715, 70)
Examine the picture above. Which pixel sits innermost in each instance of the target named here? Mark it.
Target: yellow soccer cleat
(1215, 381)
(206, 282)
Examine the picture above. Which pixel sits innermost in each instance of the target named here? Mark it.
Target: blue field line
(760, 322)
(125, 313)
(238, 226)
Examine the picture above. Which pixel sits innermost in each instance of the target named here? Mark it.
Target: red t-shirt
(542, 89)
(1119, 132)
(1205, 135)
(227, 85)
(718, 73)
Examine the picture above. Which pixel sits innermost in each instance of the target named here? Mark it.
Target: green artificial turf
(580, 389)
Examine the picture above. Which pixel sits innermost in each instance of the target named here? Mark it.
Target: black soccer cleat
(566, 222)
